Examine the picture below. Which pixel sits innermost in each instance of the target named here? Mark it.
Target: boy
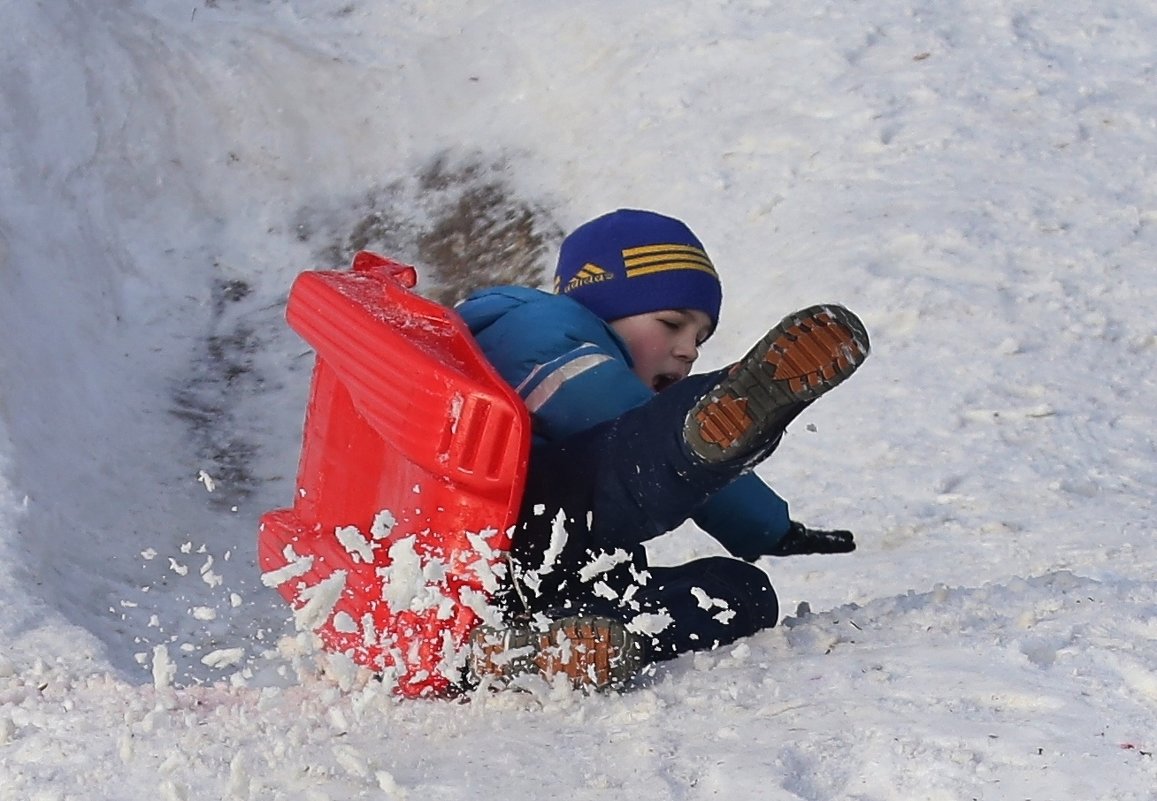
(627, 445)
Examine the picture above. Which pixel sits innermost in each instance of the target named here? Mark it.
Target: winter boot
(808, 353)
(594, 653)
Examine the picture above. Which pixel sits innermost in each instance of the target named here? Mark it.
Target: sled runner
(412, 468)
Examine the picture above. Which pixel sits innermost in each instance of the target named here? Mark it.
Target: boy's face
(664, 344)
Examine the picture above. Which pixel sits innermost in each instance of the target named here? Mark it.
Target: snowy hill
(975, 180)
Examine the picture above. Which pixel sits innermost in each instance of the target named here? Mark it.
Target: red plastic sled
(412, 468)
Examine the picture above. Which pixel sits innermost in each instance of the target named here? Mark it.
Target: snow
(355, 543)
(975, 180)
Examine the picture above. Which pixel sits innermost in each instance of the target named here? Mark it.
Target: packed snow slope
(977, 180)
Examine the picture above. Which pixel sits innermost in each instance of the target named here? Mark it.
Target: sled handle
(379, 266)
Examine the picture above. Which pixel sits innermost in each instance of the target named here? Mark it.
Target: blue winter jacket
(573, 372)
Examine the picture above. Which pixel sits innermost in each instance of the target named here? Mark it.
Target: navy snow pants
(592, 500)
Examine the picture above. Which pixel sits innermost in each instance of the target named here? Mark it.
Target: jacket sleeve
(746, 517)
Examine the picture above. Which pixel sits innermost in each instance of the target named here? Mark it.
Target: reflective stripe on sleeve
(553, 382)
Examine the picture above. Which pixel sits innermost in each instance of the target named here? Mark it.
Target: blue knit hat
(632, 262)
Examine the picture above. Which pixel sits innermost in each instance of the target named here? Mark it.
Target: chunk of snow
(204, 613)
(344, 623)
(207, 480)
(705, 601)
(384, 523)
(163, 668)
(355, 544)
(650, 623)
(603, 563)
(223, 658)
(297, 566)
(320, 600)
(603, 590)
(408, 583)
(558, 539)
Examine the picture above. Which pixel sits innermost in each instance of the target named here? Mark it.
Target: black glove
(802, 540)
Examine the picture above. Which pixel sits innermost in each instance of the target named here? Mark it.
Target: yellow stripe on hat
(645, 250)
(660, 258)
(681, 257)
(662, 267)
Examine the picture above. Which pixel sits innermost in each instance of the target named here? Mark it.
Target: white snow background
(977, 180)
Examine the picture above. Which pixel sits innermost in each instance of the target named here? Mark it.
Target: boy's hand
(803, 540)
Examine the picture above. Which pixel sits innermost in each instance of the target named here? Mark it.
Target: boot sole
(806, 355)
(594, 653)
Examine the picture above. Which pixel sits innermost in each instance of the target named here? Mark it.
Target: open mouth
(661, 382)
